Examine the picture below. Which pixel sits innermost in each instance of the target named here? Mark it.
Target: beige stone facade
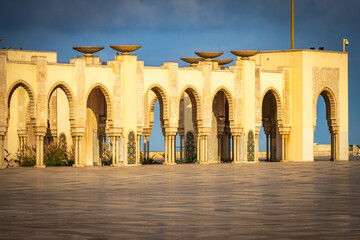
(89, 102)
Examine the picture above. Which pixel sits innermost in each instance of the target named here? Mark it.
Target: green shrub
(57, 154)
(146, 160)
(27, 157)
(106, 156)
(191, 159)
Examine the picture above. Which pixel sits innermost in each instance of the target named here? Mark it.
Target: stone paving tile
(319, 200)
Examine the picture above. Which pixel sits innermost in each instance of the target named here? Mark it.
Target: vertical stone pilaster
(257, 97)
(39, 137)
(117, 95)
(41, 93)
(2, 143)
(287, 96)
(80, 95)
(140, 95)
(138, 140)
(53, 113)
(3, 100)
(77, 134)
(173, 93)
(238, 96)
(206, 68)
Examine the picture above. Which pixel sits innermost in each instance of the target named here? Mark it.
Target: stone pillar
(219, 147)
(138, 142)
(256, 146)
(144, 150)
(235, 149)
(113, 150)
(173, 158)
(229, 148)
(166, 149)
(39, 151)
(198, 148)
(201, 150)
(181, 148)
(148, 146)
(2, 150)
(286, 151)
(39, 137)
(203, 142)
(121, 150)
(174, 142)
(238, 148)
(77, 134)
(336, 144)
(282, 147)
(267, 147)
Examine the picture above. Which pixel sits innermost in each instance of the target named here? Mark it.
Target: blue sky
(171, 29)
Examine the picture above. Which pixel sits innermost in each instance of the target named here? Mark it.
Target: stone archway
(190, 119)
(96, 143)
(222, 119)
(271, 118)
(331, 117)
(20, 131)
(156, 94)
(61, 104)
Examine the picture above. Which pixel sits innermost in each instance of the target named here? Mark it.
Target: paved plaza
(319, 200)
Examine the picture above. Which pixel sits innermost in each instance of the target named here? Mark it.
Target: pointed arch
(163, 101)
(229, 98)
(278, 102)
(331, 106)
(70, 97)
(30, 92)
(107, 96)
(195, 99)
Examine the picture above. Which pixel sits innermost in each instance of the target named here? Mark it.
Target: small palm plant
(27, 156)
(55, 154)
(146, 160)
(106, 156)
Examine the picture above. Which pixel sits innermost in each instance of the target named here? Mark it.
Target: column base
(132, 165)
(78, 166)
(41, 166)
(3, 167)
(117, 165)
(169, 164)
(204, 163)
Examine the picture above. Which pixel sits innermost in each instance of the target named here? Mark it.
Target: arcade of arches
(215, 112)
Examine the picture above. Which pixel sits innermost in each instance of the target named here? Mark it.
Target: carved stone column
(2, 150)
(39, 137)
(77, 135)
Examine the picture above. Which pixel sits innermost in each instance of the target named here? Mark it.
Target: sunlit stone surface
(247, 201)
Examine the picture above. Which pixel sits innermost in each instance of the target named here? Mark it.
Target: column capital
(236, 131)
(40, 131)
(114, 131)
(204, 131)
(284, 130)
(77, 131)
(257, 130)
